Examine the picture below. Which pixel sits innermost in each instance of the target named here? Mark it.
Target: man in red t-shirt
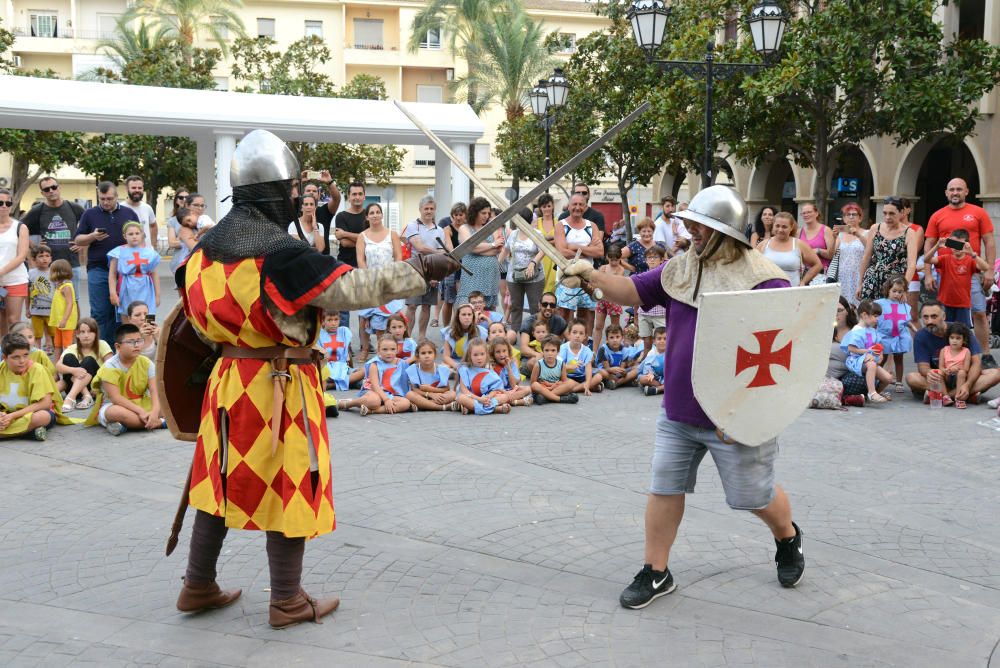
(959, 214)
(956, 268)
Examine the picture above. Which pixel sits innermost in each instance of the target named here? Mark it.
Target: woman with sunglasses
(13, 272)
(850, 242)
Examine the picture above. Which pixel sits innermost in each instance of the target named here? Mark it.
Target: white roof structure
(217, 119)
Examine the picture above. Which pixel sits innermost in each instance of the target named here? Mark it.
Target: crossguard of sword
(596, 293)
(449, 254)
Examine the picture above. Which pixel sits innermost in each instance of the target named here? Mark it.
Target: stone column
(225, 145)
(459, 181)
(442, 183)
(206, 174)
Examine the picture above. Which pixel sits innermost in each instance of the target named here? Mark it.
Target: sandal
(898, 387)
(434, 323)
(85, 403)
(876, 398)
(960, 404)
(68, 405)
(947, 401)
(365, 410)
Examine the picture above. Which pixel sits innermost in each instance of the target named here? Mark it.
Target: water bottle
(934, 391)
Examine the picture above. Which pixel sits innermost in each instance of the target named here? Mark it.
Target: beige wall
(418, 76)
(390, 24)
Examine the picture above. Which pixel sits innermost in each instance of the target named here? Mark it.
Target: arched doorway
(851, 180)
(773, 182)
(947, 159)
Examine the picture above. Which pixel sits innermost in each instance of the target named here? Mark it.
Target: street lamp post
(545, 99)
(767, 24)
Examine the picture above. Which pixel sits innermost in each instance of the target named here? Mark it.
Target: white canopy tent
(216, 120)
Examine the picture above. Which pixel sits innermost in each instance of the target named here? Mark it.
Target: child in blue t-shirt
(893, 324)
(653, 365)
(428, 381)
(335, 342)
(385, 385)
(502, 362)
(864, 352)
(616, 367)
(456, 336)
(480, 389)
(396, 326)
(579, 360)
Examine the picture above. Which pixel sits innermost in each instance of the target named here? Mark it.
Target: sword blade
(515, 209)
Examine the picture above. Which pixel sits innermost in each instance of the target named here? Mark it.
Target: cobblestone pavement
(505, 541)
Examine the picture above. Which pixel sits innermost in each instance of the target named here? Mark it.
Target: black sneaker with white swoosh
(789, 559)
(647, 586)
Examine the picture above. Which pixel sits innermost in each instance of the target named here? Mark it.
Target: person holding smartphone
(100, 231)
(956, 263)
(138, 314)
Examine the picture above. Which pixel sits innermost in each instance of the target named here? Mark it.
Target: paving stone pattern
(506, 540)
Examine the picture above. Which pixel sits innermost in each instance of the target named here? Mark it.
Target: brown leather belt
(280, 357)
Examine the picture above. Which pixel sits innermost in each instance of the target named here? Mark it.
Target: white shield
(759, 356)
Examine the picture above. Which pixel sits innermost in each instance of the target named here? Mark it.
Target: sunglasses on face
(548, 304)
(5, 202)
(48, 189)
(582, 192)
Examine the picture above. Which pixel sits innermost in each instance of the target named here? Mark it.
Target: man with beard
(262, 459)
(927, 345)
(134, 191)
(721, 261)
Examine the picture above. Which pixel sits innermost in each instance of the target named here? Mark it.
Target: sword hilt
(449, 254)
(596, 293)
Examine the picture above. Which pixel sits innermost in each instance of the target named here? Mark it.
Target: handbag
(526, 275)
(833, 271)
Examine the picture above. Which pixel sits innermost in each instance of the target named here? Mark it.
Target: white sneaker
(994, 403)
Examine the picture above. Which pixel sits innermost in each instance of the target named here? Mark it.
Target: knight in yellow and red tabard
(262, 459)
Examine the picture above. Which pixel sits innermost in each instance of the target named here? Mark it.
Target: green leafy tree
(847, 73)
(187, 19)
(33, 153)
(153, 59)
(460, 23)
(294, 70)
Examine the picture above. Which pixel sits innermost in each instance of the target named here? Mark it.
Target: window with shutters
(265, 28)
(368, 34)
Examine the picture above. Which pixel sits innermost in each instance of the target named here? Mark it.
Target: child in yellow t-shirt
(26, 392)
(127, 387)
(65, 312)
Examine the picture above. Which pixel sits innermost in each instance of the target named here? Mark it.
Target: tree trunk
(626, 213)
(20, 181)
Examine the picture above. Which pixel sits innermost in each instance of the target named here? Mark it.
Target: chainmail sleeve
(367, 288)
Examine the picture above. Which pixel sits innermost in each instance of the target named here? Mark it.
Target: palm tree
(184, 19)
(460, 21)
(512, 55)
(132, 42)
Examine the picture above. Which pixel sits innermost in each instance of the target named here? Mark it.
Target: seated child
(335, 341)
(502, 361)
(456, 336)
(428, 381)
(616, 367)
(483, 317)
(652, 367)
(405, 346)
(38, 355)
(480, 389)
(548, 376)
(80, 362)
(531, 346)
(634, 348)
(864, 352)
(385, 385)
(27, 393)
(955, 359)
(579, 360)
(500, 329)
(374, 321)
(126, 389)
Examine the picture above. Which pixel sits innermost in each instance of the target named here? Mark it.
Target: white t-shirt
(146, 216)
(664, 231)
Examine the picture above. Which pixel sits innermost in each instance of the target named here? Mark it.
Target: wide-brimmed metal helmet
(261, 157)
(722, 209)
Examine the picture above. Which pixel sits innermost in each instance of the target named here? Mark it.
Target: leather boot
(198, 597)
(300, 608)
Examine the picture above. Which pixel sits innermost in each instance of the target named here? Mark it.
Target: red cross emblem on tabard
(763, 359)
(334, 346)
(138, 262)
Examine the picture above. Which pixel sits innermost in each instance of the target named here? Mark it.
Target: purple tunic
(678, 400)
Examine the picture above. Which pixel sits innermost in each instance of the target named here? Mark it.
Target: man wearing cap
(721, 261)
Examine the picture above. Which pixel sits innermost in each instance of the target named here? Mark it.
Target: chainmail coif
(257, 225)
